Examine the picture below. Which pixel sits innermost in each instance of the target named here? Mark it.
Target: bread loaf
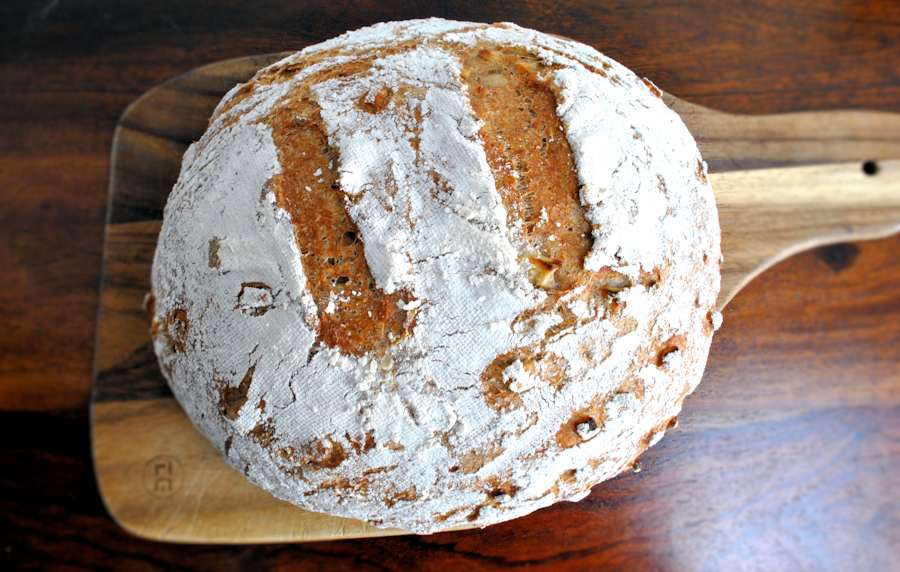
(433, 273)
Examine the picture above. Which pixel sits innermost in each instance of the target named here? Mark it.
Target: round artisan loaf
(434, 273)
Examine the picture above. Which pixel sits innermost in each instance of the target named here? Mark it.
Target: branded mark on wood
(162, 476)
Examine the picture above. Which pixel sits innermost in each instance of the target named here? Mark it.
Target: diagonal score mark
(415, 180)
(531, 161)
(354, 315)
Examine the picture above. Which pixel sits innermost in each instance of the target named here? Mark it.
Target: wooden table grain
(805, 373)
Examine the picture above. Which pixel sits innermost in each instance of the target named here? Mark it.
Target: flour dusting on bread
(385, 298)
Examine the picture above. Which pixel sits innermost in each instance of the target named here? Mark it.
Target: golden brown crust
(326, 453)
(530, 159)
(264, 433)
(472, 461)
(404, 495)
(231, 399)
(176, 328)
(364, 318)
(583, 422)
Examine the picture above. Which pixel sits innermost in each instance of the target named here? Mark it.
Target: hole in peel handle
(870, 167)
(767, 215)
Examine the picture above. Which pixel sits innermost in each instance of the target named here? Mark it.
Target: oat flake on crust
(418, 435)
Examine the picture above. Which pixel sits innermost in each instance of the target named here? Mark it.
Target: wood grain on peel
(799, 338)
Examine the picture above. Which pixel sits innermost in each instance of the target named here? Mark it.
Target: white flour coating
(407, 439)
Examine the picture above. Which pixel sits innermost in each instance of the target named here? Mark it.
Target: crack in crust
(232, 399)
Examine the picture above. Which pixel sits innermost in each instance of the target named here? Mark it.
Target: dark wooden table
(808, 358)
